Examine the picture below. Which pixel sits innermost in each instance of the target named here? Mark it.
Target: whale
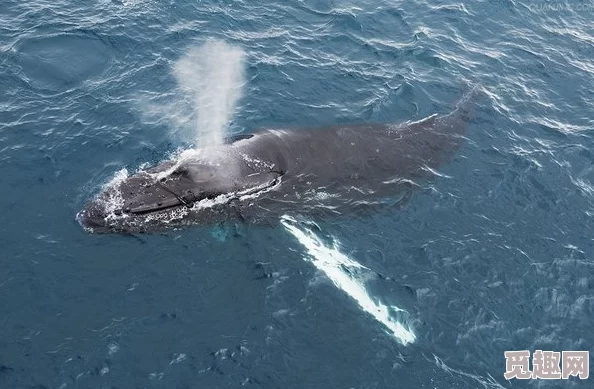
(272, 172)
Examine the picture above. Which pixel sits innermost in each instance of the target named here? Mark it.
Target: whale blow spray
(211, 76)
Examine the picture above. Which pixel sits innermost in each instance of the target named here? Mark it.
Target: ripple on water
(58, 63)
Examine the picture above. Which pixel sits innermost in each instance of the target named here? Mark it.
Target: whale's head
(197, 188)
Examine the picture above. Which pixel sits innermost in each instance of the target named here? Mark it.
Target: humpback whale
(273, 172)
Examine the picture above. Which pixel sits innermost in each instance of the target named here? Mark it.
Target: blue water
(494, 254)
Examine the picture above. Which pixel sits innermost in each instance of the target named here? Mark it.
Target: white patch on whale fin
(342, 271)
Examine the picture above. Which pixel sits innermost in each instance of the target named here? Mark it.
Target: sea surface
(494, 252)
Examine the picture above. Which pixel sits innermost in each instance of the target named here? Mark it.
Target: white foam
(487, 383)
(114, 200)
(337, 267)
(256, 163)
(257, 191)
(435, 172)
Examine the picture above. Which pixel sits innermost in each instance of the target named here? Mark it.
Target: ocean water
(493, 253)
